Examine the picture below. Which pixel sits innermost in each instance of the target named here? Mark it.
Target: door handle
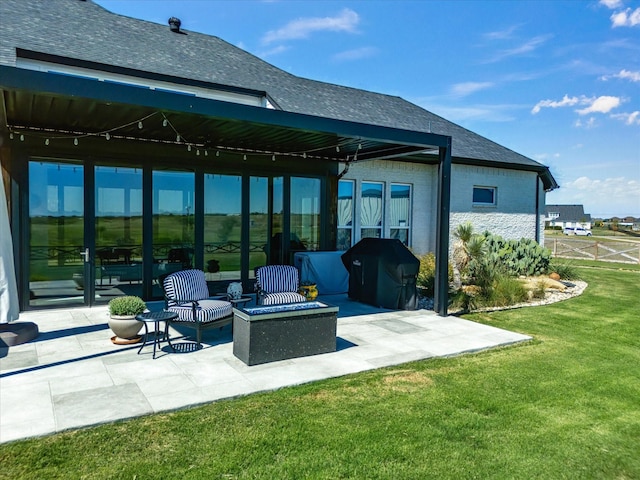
(85, 255)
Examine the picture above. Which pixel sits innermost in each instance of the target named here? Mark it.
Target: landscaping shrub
(503, 291)
(490, 264)
(427, 274)
(566, 270)
(518, 257)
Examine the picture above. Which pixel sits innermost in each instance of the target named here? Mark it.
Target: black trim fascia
(12, 78)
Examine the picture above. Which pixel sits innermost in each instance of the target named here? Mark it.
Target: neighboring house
(130, 149)
(567, 216)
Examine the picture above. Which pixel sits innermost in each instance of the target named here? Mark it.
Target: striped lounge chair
(277, 284)
(186, 293)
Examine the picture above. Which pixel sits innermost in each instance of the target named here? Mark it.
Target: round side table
(158, 335)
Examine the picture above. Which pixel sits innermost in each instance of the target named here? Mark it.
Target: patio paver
(72, 376)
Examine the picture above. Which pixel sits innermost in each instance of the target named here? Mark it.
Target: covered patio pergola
(49, 115)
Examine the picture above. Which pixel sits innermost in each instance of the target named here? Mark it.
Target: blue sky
(555, 80)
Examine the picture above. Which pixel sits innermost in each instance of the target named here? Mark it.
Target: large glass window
(173, 220)
(400, 212)
(345, 214)
(371, 209)
(222, 226)
(305, 214)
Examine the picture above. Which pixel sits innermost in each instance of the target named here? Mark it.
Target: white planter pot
(234, 290)
(126, 329)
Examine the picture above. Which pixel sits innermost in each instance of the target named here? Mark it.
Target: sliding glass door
(118, 232)
(56, 234)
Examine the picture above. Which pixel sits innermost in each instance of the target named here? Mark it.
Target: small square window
(484, 196)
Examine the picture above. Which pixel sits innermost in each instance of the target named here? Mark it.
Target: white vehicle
(577, 231)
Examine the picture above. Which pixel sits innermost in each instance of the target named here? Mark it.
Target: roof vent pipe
(174, 24)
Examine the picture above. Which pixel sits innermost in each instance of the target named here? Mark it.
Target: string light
(113, 132)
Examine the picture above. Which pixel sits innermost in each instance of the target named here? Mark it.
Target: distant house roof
(567, 213)
(84, 34)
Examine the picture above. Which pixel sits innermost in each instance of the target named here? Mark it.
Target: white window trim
(486, 204)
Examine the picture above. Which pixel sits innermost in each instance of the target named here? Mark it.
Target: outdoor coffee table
(156, 318)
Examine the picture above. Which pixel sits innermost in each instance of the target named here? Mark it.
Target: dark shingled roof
(568, 213)
(83, 30)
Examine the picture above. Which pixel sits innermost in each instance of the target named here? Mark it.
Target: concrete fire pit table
(278, 332)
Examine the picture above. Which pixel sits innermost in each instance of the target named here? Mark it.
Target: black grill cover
(382, 272)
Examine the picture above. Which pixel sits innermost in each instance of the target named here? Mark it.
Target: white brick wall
(514, 215)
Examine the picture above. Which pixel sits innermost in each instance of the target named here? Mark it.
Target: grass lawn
(566, 405)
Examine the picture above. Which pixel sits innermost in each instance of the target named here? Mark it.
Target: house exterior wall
(424, 185)
(513, 216)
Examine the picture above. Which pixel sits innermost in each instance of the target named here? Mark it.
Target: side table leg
(156, 339)
(166, 333)
(146, 334)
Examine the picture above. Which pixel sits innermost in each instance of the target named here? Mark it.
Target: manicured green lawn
(566, 405)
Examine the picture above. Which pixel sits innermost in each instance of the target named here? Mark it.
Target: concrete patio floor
(72, 376)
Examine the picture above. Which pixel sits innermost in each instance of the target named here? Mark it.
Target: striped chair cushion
(206, 311)
(185, 285)
(284, 297)
(277, 278)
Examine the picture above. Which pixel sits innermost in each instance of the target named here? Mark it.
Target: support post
(441, 290)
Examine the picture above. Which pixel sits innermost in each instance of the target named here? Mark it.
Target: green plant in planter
(122, 321)
(127, 306)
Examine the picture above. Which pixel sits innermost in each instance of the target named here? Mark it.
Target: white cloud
(467, 88)
(589, 123)
(355, 54)
(502, 34)
(274, 51)
(565, 102)
(468, 113)
(616, 196)
(611, 3)
(526, 47)
(628, 118)
(346, 21)
(625, 75)
(603, 104)
(626, 18)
